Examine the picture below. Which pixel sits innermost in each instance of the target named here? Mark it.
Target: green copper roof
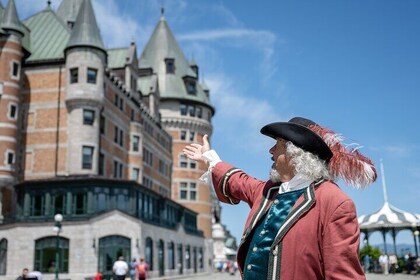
(85, 30)
(117, 58)
(10, 19)
(163, 45)
(1, 17)
(68, 10)
(147, 84)
(49, 36)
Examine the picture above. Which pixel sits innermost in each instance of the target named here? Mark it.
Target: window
(147, 157)
(15, 69)
(199, 112)
(183, 135)
(161, 257)
(13, 111)
(170, 66)
(188, 191)
(59, 203)
(74, 75)
(87, 157)
(45, 253)
(116, 100)
(79, 203)
(121, 139)
(188, 256)
(132, 115)
(3, 256)
(110, 248)
(37, 206)
(1, 88)
(135, 174)
(148, 183)
(191, 87)
(148, 252)
(88, 117)
(101, 164)
(10, 158)
(118, 136)
(91, 75)
(183, 109)
(171, 255)
(118, 169)
(121, 104)
(102, 124)
(183, 161)
(191, 110)
(136, 143)
(192, 136)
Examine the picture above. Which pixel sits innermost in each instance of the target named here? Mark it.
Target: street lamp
(58, 218)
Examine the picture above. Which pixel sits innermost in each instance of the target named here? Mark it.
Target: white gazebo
(390, 219)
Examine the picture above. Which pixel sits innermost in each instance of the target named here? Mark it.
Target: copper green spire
(85, 31)
(10, 19)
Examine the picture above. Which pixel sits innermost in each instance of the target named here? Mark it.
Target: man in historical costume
(301, 225)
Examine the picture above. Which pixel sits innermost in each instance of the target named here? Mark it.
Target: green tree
(374, 252)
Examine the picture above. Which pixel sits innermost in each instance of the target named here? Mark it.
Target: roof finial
(383, 183)
(162, 11)
(49, 3)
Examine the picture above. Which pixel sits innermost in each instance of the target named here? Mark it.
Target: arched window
(149, 252)
(161, 257)
(180, 262)
(3, 256)
(110, 248)
(45, 249)
(171, 255)
(200, 258)
(188, 256)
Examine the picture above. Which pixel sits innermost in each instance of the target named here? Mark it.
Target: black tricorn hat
(298, 132)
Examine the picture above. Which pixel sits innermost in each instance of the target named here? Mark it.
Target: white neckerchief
(296, 183)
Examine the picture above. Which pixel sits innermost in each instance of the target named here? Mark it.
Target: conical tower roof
(1, 17)
(162, 46)
(10, 19)
(68, 10)
(86, 31)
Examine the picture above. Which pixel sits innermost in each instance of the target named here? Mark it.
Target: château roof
(161, 46)
(10, 19)
(117, 57)
(49, 36)
(68, 10)
(1, 17)
(85, 30)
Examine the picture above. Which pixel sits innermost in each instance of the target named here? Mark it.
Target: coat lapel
(262, 209)
(298, 210)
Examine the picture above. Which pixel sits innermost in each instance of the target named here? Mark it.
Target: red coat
(319, 238)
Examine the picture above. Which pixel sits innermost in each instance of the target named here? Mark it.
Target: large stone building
(96, 134)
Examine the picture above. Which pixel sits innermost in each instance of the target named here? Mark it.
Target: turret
(11, 58)
(85, 62)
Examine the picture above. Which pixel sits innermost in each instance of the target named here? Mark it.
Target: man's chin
(274, 176)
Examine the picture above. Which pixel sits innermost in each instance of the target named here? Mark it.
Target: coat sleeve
(341, 244)
(232, 185)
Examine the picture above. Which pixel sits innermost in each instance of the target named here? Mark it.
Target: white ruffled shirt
(296, 183)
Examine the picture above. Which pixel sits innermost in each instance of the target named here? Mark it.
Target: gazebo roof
(388, 217)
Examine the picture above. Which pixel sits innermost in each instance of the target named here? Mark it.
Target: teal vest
(256, 262)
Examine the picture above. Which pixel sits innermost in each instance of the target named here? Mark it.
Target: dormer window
(191, 88)
(170, 65)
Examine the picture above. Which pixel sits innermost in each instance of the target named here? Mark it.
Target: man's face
(280, 162)
(24, 272)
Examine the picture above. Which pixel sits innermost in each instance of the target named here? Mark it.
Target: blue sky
(352, 66)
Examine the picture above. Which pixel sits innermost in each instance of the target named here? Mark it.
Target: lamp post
(58, 218)
(416, 235)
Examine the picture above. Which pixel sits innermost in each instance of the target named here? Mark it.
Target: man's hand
(195, 151)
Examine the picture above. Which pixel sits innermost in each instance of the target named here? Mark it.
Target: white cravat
(297, 183)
